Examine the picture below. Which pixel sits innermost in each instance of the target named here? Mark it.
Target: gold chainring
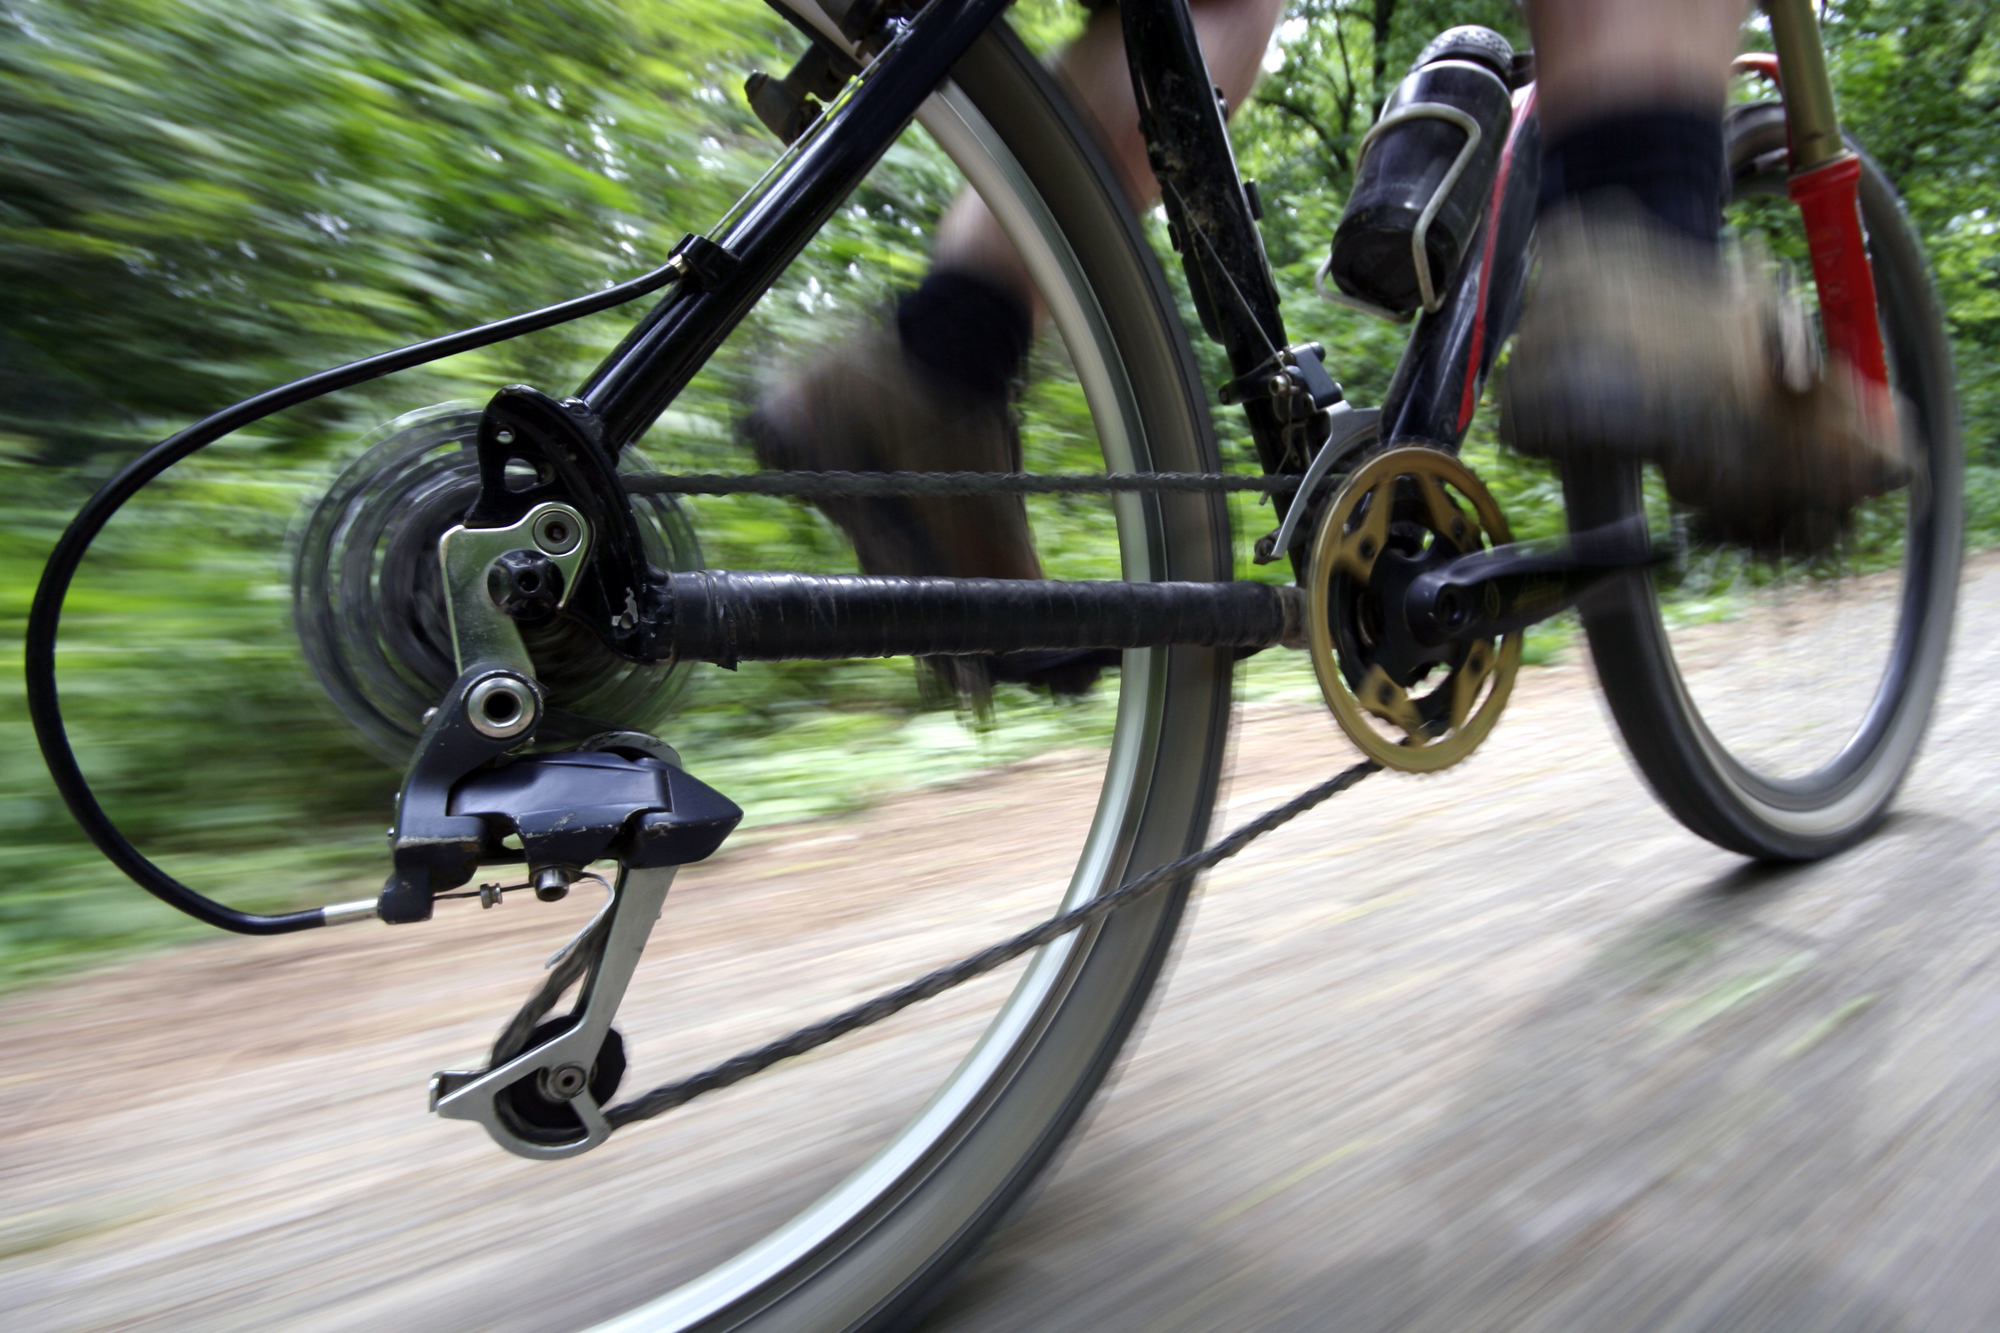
(1404, 510)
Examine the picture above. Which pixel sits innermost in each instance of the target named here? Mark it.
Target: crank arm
(1487, 594)
(609, 952)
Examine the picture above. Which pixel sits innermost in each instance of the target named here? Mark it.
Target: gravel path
(1502, 1048)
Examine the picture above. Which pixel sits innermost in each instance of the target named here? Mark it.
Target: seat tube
(1824, 179)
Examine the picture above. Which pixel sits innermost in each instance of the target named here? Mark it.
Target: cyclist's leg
(1641, 341)
(1596, 57)
(931, 392)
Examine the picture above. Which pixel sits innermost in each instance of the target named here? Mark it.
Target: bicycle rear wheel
(1785, 734)
(867, 1254)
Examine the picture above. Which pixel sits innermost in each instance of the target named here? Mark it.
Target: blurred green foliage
(198, 200)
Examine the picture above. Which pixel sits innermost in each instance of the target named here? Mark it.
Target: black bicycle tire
(1694, 776)
(888, 1267)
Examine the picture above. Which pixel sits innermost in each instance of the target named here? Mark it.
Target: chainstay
(739, 1067)
(890, 484)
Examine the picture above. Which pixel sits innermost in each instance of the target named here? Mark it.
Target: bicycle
(551, 529)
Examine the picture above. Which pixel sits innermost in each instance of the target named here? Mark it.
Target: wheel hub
(368, 595)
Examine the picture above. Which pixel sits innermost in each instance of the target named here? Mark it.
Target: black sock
(969, 332)
(1668, 159)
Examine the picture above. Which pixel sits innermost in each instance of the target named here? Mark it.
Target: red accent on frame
(1468, 398)
(1759, 62)
(1827, 199)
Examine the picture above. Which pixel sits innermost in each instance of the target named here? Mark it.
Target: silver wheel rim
(1881, 742)
(739, 1287)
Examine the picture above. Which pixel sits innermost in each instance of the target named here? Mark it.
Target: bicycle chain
(932, 984)
(739, 1067)
(868, 485)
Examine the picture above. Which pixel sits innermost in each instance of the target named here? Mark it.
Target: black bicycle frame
(1450, 353)
(1212, 219)
(726, 273)
(1451, 349)
(1283, 388)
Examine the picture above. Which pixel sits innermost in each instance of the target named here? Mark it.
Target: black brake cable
(44, 706)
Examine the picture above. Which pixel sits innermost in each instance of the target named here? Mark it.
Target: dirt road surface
(1499, 1049)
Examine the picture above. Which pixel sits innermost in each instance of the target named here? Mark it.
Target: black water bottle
(1415, 204)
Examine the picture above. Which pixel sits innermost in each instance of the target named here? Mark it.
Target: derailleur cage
(543, 1091)
(624, 797)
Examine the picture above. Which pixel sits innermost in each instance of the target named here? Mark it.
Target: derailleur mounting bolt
(552, 883)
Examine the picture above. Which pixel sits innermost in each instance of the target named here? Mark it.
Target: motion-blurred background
(201, 200)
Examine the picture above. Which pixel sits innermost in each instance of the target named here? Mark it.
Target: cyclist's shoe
(864, 407)
(1642, 342)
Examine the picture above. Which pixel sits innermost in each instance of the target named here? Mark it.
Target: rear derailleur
(478, 794)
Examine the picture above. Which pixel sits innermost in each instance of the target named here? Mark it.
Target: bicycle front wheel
(866, 1254)
(1775, 706)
